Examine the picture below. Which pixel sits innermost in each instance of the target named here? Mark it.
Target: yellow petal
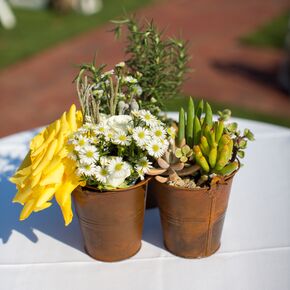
(70, 166)
(54, 177)
(24, 171)
(35, 180)
(79, 118)
(37, 141)
(60, 142)
(71, 118)
(27, 210)
(44, 206)
(23, 195)
(64, 125)
(45, 195)
(18, 179)
(44, 144)
(46, 158)
(64, 191)
(24, 165)
(36, 159)
(56, 125)
(52, 165)
(67, 212)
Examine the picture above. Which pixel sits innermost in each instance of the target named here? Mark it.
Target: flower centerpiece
(103, 154)
(195, 177)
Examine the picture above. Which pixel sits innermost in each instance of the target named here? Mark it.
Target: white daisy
(148, 118)
(155, 148)
(164, 143)
(107, 73)
(87, 128)
(143, 165)
(122, 138)
(105, 160)
(89, 154)
(81, 142)
(71, 152)
(120, 64)
(158, 132)
(86, 169)
(141, 136)
(94, 140)
(130, 80)
(109, 135)
(101, 174)
(82, 131)
(101, 129)
(72, 156)
(140, 173)
(119, 168)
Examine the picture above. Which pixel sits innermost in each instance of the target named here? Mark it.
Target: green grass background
(271, 34)
(39, 30)
(176, 103)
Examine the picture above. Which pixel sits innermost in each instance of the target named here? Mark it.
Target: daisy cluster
(120, 149)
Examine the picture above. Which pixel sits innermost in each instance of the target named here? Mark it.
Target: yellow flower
(46, 171)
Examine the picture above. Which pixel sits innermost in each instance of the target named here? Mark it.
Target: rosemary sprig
(162, 62)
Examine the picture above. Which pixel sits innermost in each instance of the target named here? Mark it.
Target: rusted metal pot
(192, 219)
(111, 221)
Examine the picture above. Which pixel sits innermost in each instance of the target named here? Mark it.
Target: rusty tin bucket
(111, 221)
(192, 219)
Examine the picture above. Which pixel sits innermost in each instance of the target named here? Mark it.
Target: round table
(41, 253)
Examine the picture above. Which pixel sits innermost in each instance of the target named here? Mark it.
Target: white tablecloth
(41, 253)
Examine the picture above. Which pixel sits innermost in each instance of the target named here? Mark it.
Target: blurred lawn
(175, 104)
(271, 34)
(38, 30)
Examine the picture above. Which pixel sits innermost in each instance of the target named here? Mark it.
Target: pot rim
(92, 190)
(201, 188)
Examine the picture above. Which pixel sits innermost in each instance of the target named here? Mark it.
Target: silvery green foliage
(109, 92)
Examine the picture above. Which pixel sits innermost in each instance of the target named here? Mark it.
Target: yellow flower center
(143, 163)
(155, 148)
(141, 135)
(158, 133)
(82, 142)
(118, 167)
(104, 172)
(122, 138)
(90, 154)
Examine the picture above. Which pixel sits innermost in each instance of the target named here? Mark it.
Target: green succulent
(184, 153)
(215, 144)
